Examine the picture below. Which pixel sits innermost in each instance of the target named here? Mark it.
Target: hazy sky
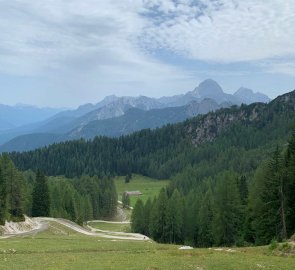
(65, 53)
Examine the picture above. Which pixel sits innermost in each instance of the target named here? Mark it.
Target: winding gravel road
(95, 232)
(41, 224)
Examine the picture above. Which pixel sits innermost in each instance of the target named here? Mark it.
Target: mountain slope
(23, 114)
(133, 120)
(247, 96)
(31, 141)
(246, 133)
(113, 106)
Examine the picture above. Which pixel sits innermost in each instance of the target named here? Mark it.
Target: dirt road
(96, 232)
(33, 226)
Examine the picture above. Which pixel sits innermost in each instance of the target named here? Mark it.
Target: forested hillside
(232, 173)
(248, 133)
(77, 199)
(225, 209)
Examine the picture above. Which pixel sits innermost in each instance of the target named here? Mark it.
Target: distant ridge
(113, 116)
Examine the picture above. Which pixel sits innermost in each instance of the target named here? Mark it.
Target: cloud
(222, 30)
(279, 66)
(113, 44)
(38, 35)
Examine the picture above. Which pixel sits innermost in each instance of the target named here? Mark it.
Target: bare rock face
(13, 228)
(208, 127)
(212, 125)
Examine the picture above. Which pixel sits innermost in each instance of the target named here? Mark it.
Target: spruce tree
(147, 215)
(174, 219)
(290, 185)
(14, 189)
(205, 233)
(268, 201)
(227, 215)
(158, 218)
(137, 218)
(41, 199)
(2, 197)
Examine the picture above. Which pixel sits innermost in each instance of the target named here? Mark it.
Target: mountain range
(115, 116)
(19, 115)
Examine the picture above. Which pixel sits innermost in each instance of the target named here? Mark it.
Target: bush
(285, 247)
(273, 244)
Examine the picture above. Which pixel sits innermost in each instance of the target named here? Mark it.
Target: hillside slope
(133, 120)
(166, 151)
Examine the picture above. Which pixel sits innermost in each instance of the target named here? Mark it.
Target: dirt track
(41, 224)
(96, 232)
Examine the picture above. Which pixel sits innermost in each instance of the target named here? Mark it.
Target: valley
(189, 195)
(147, 135)
(116, 116)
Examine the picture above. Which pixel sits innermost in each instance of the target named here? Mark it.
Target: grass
(114, 227)
(61, 248)
(148, 186)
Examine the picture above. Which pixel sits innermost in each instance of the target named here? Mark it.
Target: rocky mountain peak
(248, 96)
(208, 89)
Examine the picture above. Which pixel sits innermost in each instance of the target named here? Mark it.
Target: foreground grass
(60, 248)
(148, 186)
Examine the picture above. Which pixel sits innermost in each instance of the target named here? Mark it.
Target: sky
(63, 53)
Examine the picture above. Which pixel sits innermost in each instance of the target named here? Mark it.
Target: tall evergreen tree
(205, 233)
(268, 201)
(174, 218)
(290, 185)
(227, 216)
(147, 216)
(41, 198)
(14, 185)
(158, 218)
(137, 218)
(2, 197)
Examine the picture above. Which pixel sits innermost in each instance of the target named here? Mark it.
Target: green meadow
(60, 248)
(147, 186)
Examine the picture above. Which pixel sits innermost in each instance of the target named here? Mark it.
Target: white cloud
(223, 30)
(37, 35)
(279, 66)
(113, 43)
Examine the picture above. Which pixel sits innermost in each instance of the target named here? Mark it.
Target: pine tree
(158, 218)
(147, 216)
(2, 197)
(137, 218)
(205, 233)
(191, 204)
(243, 189)
(227, 215)
(14, 185)
(41, 199)
(268, 201)
(174, 219)
(290, 185)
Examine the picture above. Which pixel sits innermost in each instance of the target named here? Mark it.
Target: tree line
(227, 209)
(78, 199)
(215, 180)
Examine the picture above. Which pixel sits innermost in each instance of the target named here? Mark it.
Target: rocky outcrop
(207, 128)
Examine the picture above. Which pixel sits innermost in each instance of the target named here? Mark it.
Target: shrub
(273, 244)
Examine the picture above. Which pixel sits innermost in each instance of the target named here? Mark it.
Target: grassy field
(115, 227)
(60, 248)
(148, 186)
